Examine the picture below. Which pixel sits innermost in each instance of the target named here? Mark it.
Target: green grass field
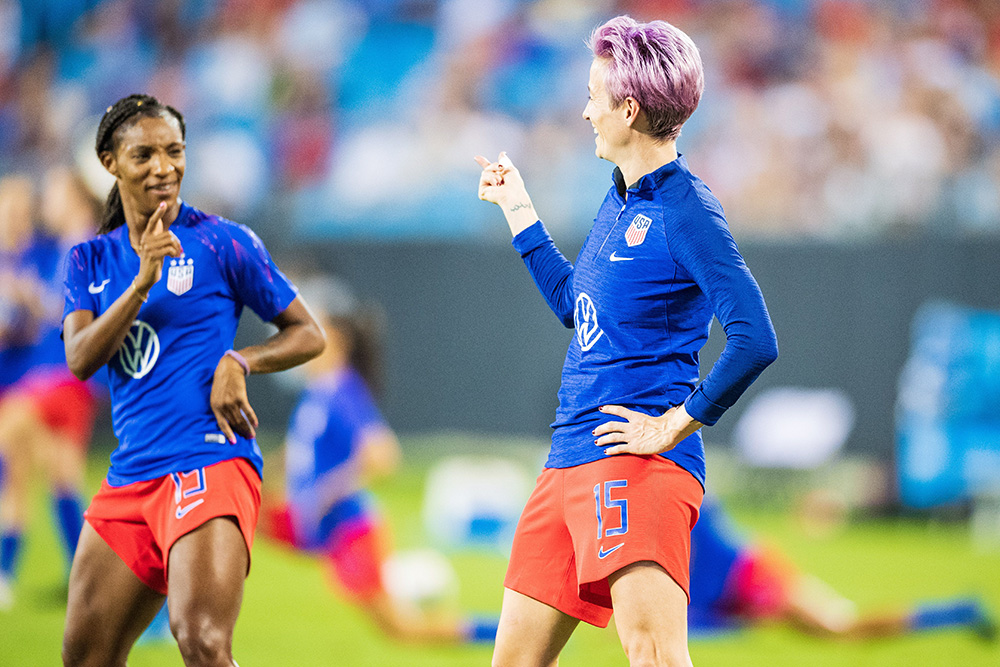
(291, 617)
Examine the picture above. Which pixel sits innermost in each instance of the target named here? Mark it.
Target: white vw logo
(585, 321)
(139, 350)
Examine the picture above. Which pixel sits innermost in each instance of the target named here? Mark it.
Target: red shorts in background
(759, 585)
(353, 554)
(64, 403)
(354, 558)
(584, 523)
(141, 521)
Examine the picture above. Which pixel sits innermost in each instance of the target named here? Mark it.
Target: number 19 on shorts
(602, 496)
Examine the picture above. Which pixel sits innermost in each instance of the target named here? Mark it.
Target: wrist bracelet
(136, 290)
(240, 360)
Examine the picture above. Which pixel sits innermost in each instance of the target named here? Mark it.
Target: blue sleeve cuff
(531, 238)
(702, 409)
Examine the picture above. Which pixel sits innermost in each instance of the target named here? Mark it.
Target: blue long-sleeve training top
(658, 263)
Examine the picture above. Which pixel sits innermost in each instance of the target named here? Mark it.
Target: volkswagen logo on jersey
(636, 232)
(139, 350)
(180, 276)
(585, 320)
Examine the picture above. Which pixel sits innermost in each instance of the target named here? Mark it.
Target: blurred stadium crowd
(829, 118)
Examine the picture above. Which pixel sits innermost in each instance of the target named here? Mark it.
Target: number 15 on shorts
(612, 527)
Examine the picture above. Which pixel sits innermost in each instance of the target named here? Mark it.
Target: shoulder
(224, 234)
(215, 225)
(688, 194)
(689, 206)
(90, 249)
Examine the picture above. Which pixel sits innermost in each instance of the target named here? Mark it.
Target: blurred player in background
(47, 416)
(658, 263)
(337, 443)
(18, 305)
(19, 313)
(156, 298)
(734, 583)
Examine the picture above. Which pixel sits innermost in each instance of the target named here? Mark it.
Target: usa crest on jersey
(180, 276)
(636, 232)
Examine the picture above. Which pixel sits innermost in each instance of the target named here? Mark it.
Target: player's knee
(203, 642)
(83, 647)
(646, 650)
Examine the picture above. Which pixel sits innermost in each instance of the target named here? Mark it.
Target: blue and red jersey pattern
(161, 377)
(323, 481)
(658, 263)
(715, 548)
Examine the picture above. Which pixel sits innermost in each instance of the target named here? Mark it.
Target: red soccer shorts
(354, 557)
(584, 523)
(141, 521)
(65, 404)
(759, 585)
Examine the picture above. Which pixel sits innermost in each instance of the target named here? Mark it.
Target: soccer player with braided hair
(608, 527)
(154, 301)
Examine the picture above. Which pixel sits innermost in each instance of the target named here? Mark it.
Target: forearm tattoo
(518, 207)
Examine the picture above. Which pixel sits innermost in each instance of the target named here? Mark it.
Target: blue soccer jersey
(657, 264)
(161, 377)
(715, 548)
(37, 261)
(321, 457)
(49, 261)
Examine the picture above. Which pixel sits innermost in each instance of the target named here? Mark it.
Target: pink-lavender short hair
(654, 63)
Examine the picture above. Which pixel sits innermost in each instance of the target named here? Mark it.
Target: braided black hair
(116, 116)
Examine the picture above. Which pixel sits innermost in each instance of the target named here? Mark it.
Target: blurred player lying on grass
(734, 583)
(338, 442)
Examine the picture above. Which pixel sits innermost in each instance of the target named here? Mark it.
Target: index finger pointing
(155, 223)
(482, 162)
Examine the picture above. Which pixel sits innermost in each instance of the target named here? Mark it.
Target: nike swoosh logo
(615, 258)
(97, 289)
(181, 511)
(602, 554)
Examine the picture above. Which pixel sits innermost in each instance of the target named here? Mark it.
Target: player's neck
(645, 156)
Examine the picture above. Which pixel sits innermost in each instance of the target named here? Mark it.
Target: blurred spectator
(830, 118)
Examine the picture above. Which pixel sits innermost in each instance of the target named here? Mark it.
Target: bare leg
(17, 437)
(817, 609)
(207, 568)
(405, 625)
(65, 464)
(18, 433)
(531, 633)
(651, 615)
(108, 606)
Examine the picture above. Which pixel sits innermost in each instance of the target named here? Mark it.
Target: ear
(107, 159)
(632, 109)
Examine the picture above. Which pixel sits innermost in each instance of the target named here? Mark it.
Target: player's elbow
(756, 345)
(81, 374)
(767, 352)
(313, 340)
(761, 353)
(79, 366)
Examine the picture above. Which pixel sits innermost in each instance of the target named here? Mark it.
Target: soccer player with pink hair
(608, 526)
